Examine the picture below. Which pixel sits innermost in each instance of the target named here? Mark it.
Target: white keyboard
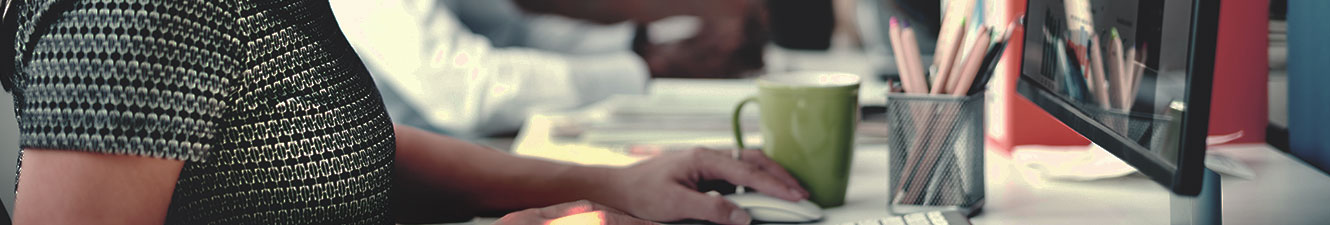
(920, 218)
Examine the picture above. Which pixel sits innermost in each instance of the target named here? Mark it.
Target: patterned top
(277, 119)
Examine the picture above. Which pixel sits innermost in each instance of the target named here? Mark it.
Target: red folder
(1012, 119)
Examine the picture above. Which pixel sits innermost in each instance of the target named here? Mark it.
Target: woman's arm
(73, 187)
(437, 178)
(600, 11)
(641, 11)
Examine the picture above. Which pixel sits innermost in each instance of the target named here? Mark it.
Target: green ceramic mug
(808, 122)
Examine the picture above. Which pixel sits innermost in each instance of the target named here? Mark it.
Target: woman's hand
(727, 45)
(664, 188)
(579, 212)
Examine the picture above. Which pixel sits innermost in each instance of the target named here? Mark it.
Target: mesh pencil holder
(936, 147)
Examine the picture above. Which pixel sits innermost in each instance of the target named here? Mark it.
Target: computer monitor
(1150, 104)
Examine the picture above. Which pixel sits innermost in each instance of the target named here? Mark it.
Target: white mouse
(765, 208)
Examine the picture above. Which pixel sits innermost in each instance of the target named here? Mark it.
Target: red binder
(1239, 99)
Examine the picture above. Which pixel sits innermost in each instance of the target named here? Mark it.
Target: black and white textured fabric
(277, 119)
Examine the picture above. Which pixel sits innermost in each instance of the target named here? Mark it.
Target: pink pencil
(1136, 76)
(1129, 74)
(958, 64)
(913, 59)
(1115, 63)
(1097, 64)
(971, 66)
(898, 49)
(947, 49)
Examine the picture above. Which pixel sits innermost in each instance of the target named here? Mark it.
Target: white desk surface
(1284, 191)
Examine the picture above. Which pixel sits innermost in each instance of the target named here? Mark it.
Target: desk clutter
(935, 118)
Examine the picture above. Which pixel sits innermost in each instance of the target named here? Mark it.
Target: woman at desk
(240, 112)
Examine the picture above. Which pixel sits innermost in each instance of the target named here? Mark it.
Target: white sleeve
(459, 82)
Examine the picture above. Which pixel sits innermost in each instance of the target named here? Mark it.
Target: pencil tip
(1011, 28)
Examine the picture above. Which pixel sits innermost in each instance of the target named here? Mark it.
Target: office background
(1278, 109)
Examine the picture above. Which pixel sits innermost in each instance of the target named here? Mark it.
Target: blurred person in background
(260, 112)
(478, 68)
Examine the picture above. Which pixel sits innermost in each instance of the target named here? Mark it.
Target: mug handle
(738, 129)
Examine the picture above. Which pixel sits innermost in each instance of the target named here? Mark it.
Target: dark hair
(8, 31)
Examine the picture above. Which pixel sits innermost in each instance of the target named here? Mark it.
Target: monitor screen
(1132, 76)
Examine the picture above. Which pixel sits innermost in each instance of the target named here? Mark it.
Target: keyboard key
(896, 220)
(917, 218)
(937, 218)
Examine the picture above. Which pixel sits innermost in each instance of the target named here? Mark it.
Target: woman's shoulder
(130, 69)
(184, 23)
(131, 39)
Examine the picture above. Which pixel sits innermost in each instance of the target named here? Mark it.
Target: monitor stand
(1204, 208)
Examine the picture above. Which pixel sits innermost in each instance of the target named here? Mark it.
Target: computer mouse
(764, 208)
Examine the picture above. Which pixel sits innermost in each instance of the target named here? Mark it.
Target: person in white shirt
(476, 68)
